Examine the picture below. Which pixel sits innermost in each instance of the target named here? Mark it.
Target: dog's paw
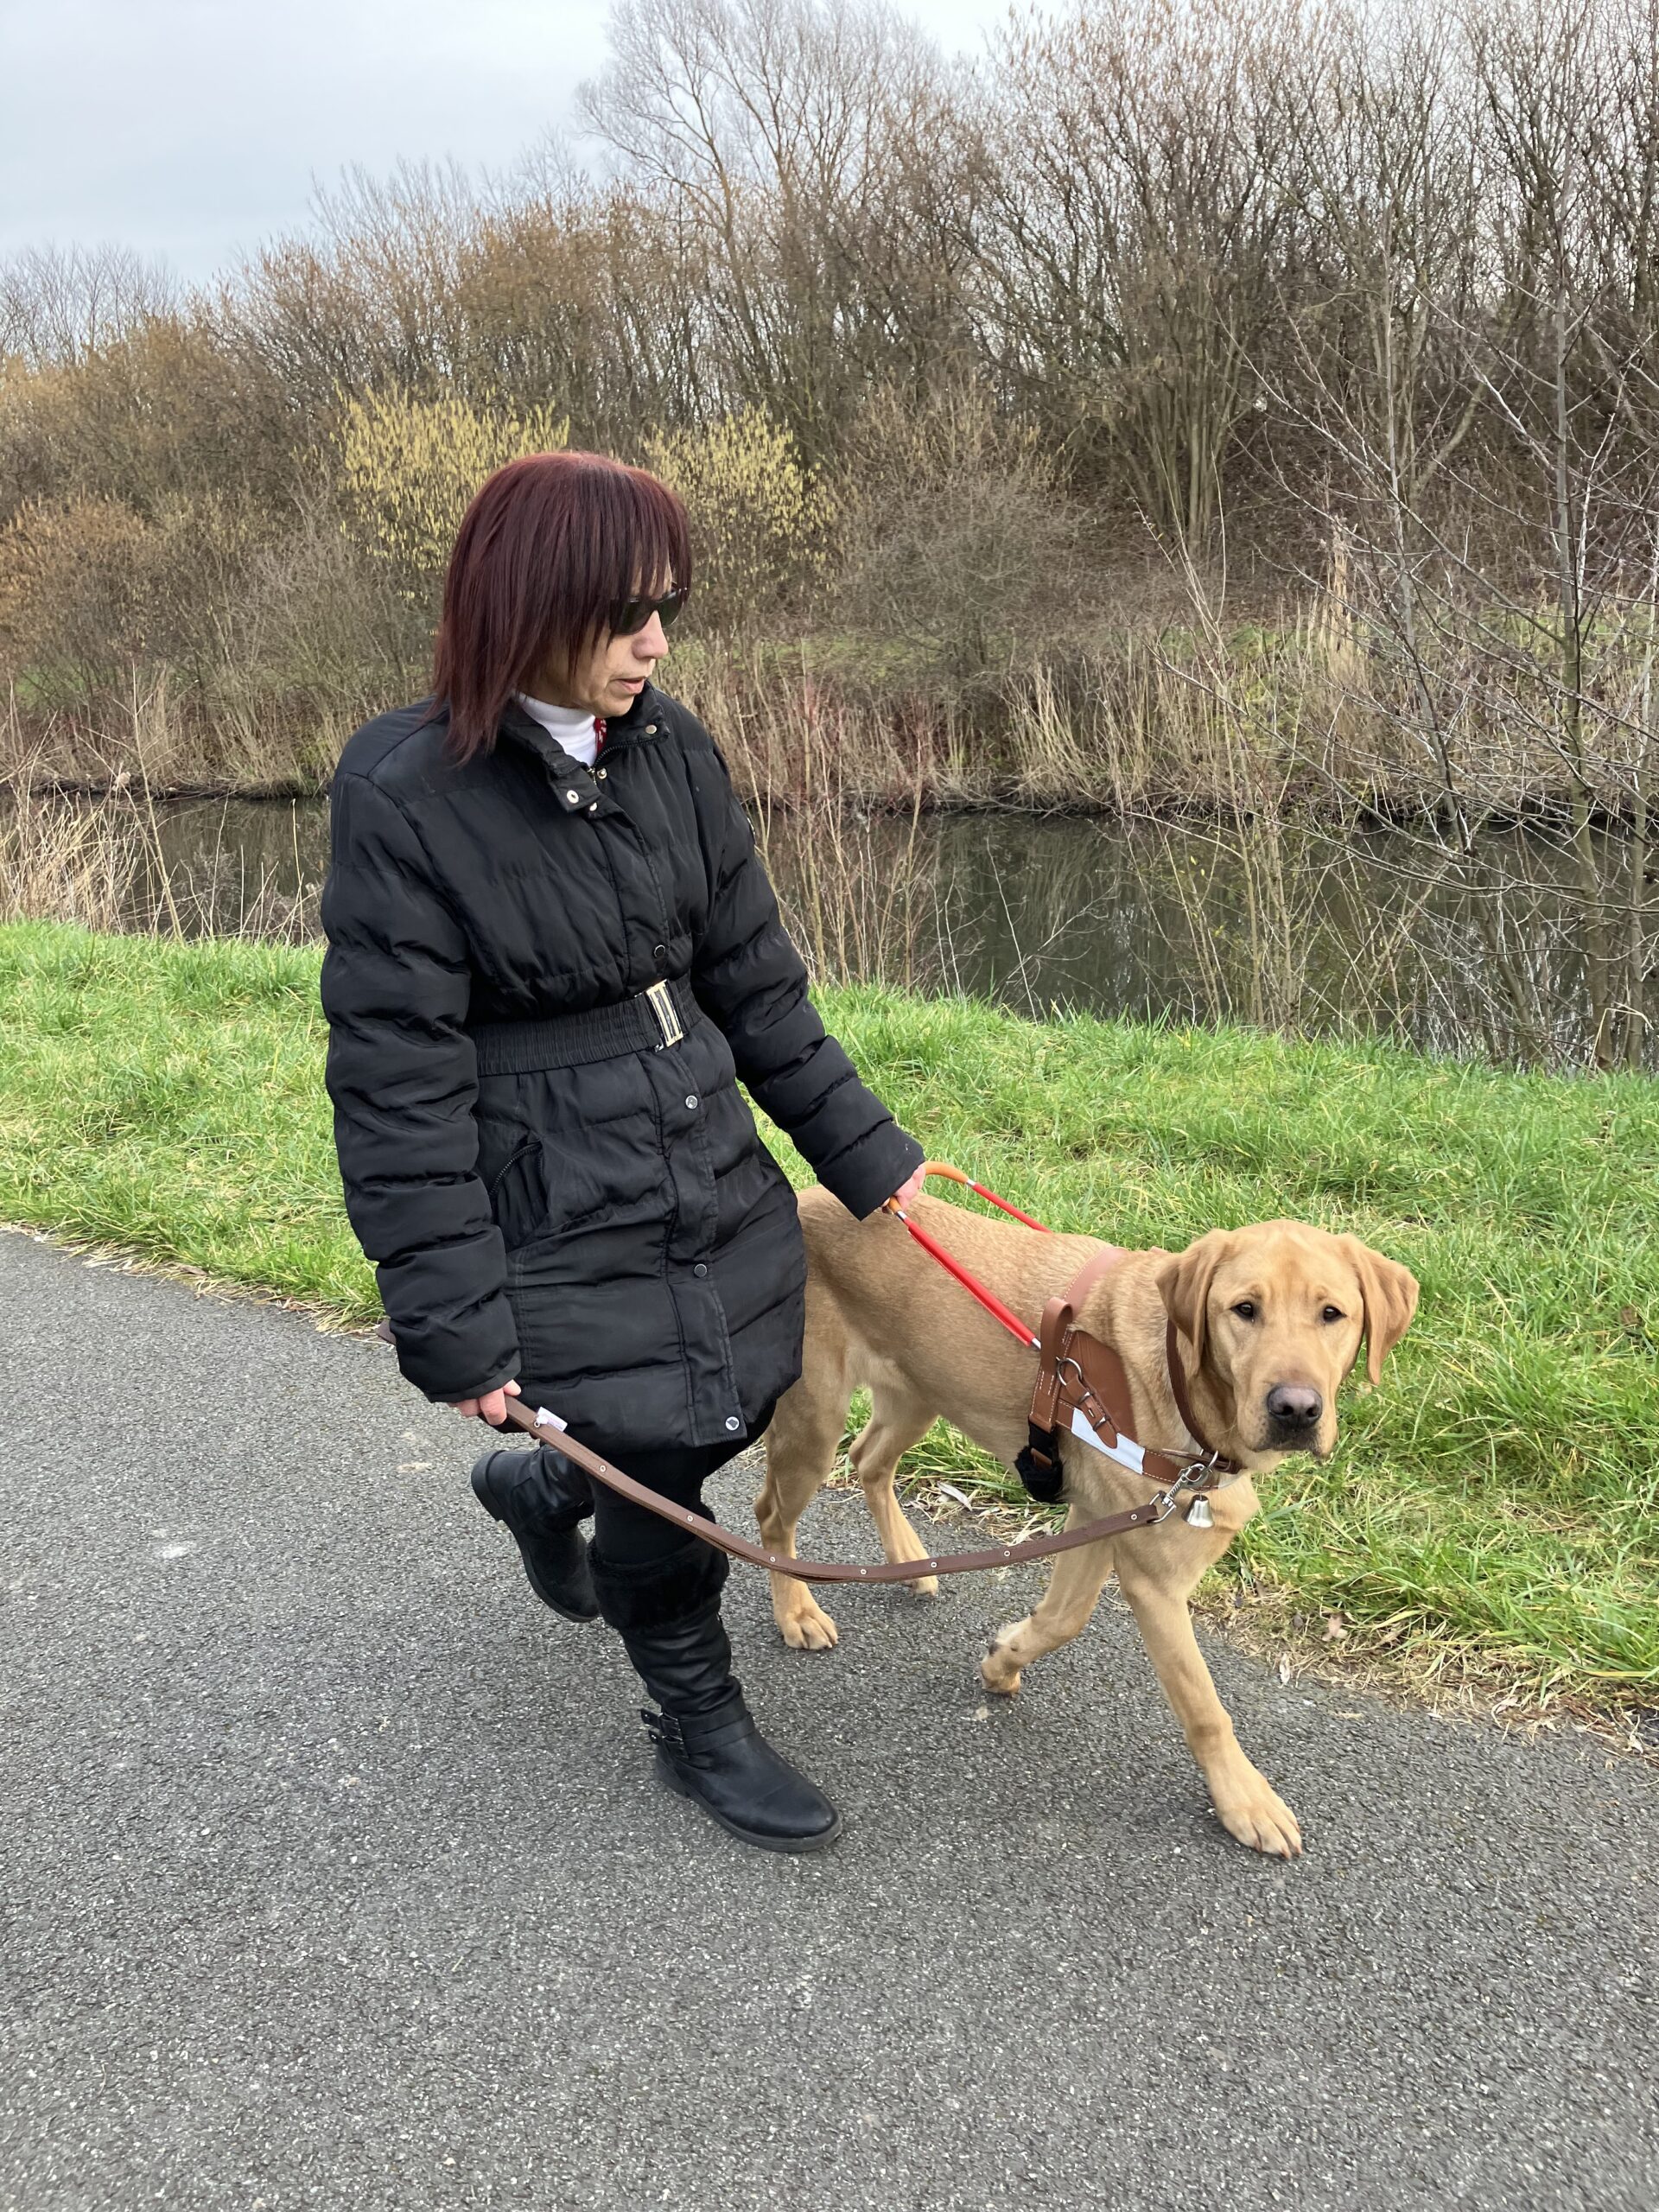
(997, 1671)
(902, 1542)
(1258, 1815)
(806, 1627)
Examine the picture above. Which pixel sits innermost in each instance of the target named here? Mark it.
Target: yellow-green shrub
(759, 522)
(409, 468)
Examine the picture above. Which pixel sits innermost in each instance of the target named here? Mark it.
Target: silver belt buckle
(667, 1020)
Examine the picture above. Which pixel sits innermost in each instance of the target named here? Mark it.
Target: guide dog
(1269, 1318)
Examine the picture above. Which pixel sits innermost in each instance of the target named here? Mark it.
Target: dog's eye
(1245, 1309)
(1332, 1313)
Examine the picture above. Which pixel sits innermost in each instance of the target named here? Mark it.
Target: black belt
(653, 1018)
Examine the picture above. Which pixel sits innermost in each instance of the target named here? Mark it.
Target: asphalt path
(333, 1873)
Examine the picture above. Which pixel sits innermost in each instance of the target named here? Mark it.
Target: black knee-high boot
(541, 1498)
(667, 1612)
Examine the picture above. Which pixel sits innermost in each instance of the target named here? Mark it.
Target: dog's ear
(1388, 1293)
(1185, 1278)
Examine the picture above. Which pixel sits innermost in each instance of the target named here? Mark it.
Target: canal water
(1378, 931)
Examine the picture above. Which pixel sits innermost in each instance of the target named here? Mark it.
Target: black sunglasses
(628, 615)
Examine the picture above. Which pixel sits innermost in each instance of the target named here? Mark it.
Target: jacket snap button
(702, 1268)
(732, 1422)
(572, 798)
(659, 952)
(651, 729)
(691, 1102)
(602, 774)
(593, 808)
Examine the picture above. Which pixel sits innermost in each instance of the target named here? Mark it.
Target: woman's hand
(493, 1406)
(908, 1192)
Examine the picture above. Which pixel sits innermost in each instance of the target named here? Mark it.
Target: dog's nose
(1294, 1405)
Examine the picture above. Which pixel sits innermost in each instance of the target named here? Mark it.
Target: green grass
(1491, 1503)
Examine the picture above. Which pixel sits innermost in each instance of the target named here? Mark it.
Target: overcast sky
(190, 129)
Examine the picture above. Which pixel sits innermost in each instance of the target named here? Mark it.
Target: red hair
(549, 546)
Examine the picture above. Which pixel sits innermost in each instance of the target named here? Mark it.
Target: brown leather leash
(1077, 1374)
(825, 1570)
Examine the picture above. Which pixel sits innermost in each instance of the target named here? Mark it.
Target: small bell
(1198, 1515)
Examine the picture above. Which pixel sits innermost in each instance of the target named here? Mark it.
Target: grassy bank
(1491, 1508)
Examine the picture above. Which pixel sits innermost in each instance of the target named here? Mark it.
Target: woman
(552, 953)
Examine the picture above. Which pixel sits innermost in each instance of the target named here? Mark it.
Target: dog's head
(1274, 1315)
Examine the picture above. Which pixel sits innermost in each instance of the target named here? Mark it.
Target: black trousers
(624, 1534)
(646, 1571)
(650, 1574)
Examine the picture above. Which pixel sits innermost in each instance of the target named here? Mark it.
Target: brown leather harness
(1078, 1379)
(1080, 1375)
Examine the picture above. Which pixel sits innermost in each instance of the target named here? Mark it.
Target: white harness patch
(1126, 1453)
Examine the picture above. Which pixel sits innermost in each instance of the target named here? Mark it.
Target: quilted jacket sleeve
(402, 1073)
(747, 977)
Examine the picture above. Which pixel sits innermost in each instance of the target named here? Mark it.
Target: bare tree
(59, 304)
(1134, 222)
(788, 136)
(1490, 485)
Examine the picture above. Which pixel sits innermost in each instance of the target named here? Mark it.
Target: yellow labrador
(1270, 1318)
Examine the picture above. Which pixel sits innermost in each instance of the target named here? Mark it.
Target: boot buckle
(663, 1729)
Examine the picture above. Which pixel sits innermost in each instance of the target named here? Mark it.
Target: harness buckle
(667, 1020)
(1198, 1474)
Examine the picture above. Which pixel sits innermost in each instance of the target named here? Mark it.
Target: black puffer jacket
(612, 1233)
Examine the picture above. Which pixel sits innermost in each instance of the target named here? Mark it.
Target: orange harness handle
(987, 1298)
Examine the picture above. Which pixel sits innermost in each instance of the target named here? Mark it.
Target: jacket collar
(642, 711)
(573, 783)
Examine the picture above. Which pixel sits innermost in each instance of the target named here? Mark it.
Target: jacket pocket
(517, 1191)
